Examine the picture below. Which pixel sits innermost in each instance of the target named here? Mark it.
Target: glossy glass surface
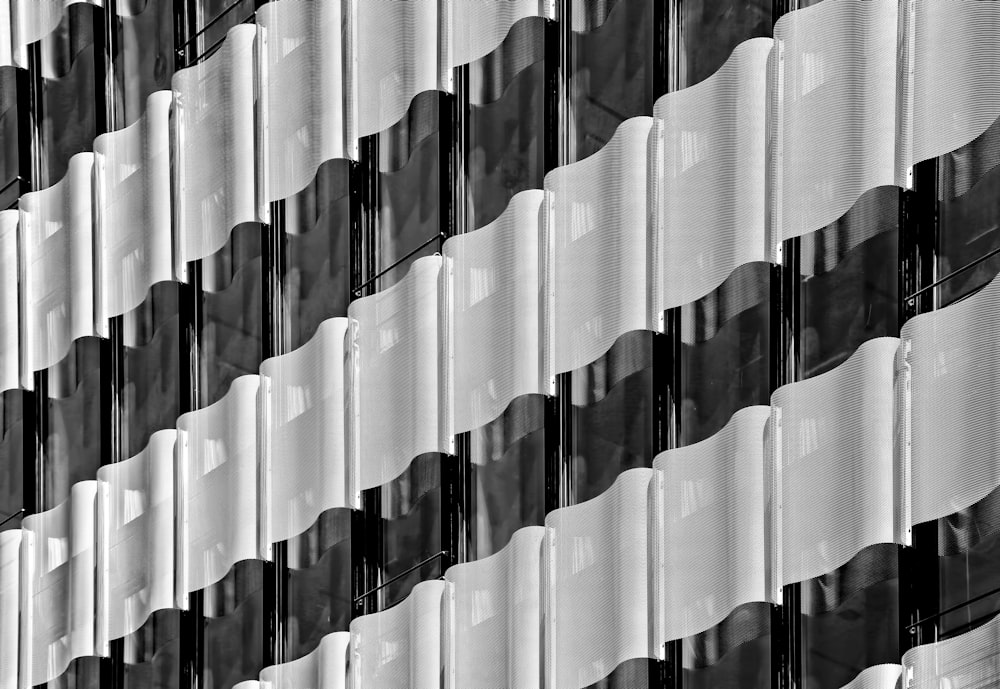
(213, 18)
(145, 60)
(9, 143)
(709, 30)
(734, 653)
(234, 627)
(151, 654)
(11, 457)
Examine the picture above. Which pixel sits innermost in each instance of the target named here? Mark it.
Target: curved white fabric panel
(955, 73)
(834, 465)
(303, 401)
(137, 507)
(708, 162)
(492, 617)
(952, 366)
(709, 543)
(400, 648)
(132, 169)
(405, 61)
(478, 27)
(57, 237)
(834, 130)
(595, 585)
(324, 668)
(9, 330)
(215, 159)
(883, 676)
(58, 622)
(596, 253)
(217, 488)
(305, 97)
(36, 19)
(10, 606)
(393, 376)
(493, 303)
(962, 662)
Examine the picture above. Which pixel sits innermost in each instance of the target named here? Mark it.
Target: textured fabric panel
(400, 648)
(477, 27)
(596, 253)
(302, 400)
(9, 321)
(136, 503)
(132, 172)
(305, 123)
(877, 677)
(217, 457)
(833, 82)
(215, 159)
(833, 463)
(709, 540)
(493, 304)
(963, 662)
(492, 617)
(10, 606)
(595, 584)
(36, 19)
(707, 156)
(58, 617)
(324, 668)
(56, 234)
(948, 357)
(393, 376)
(404, 61)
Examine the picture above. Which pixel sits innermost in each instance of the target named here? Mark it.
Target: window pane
(152, 654)
(11, 456)
(733, 654)
(234, 626)
(145, 59)
(711, 29)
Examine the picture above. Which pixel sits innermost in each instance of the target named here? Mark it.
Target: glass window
(152, 654)
(234, 627)
(733, 653)
(709, 30)
(10, 129)
(213, 18)
(11, 457)
(145, 60)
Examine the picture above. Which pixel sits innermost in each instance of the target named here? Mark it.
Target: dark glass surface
(637, 673)
(9, 144)
(734, 654)
(213, 18)
(234, 627)
(11, 456)
(710, 30)
(151, 654)
(145, 60)
(82, 673)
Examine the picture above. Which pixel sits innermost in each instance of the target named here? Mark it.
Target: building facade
(454, 344)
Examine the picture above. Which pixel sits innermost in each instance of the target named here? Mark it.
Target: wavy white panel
(955, 73)
(305, 99)
(59, 619)
(478, 27)
(402, 62)
(708, 165)
(834, 466)
(834, 131)
(57, 236)
(217, 457)
(492, 617)
(9, 331)
(954, 406)
(137, 506)
(595, 585)
(883, 676)
(303, 394)
(324, 668)
(36, 19)
(132, 168)
(709, 541)
(494, 297)
(966, 661)
(9, 52)
(597, 247)
(216, 162)
(400, 648)
(10, 606)
(394, 375)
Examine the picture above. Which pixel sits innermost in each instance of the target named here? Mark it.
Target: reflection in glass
(151, 654)
(213, 18)
(82, 673)
(234, 626)
(11, 456)
(733, 653)
(9, 142)
(709, 30)
(145, 59)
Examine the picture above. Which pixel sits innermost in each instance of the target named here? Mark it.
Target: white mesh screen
(478, 27)
(709, 540)
(834, 465)
(36, 19)
(56, 231)
(59, 620)
(597, 247)
(883, 676)
(132, 169)
(595, 584)
(303, 394)
(215, 167)
(955, 74)
(218, 486)
(400, 648)
(137, 508)
(9, 52)
(494, 311)
(9, 331)
(394, 375)
(492, 617)
(305, 99)
(834, 130)
(403, 62)
(954, 407)
(966, 661)
(708, 164)
(10, 606)
(324, 668)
